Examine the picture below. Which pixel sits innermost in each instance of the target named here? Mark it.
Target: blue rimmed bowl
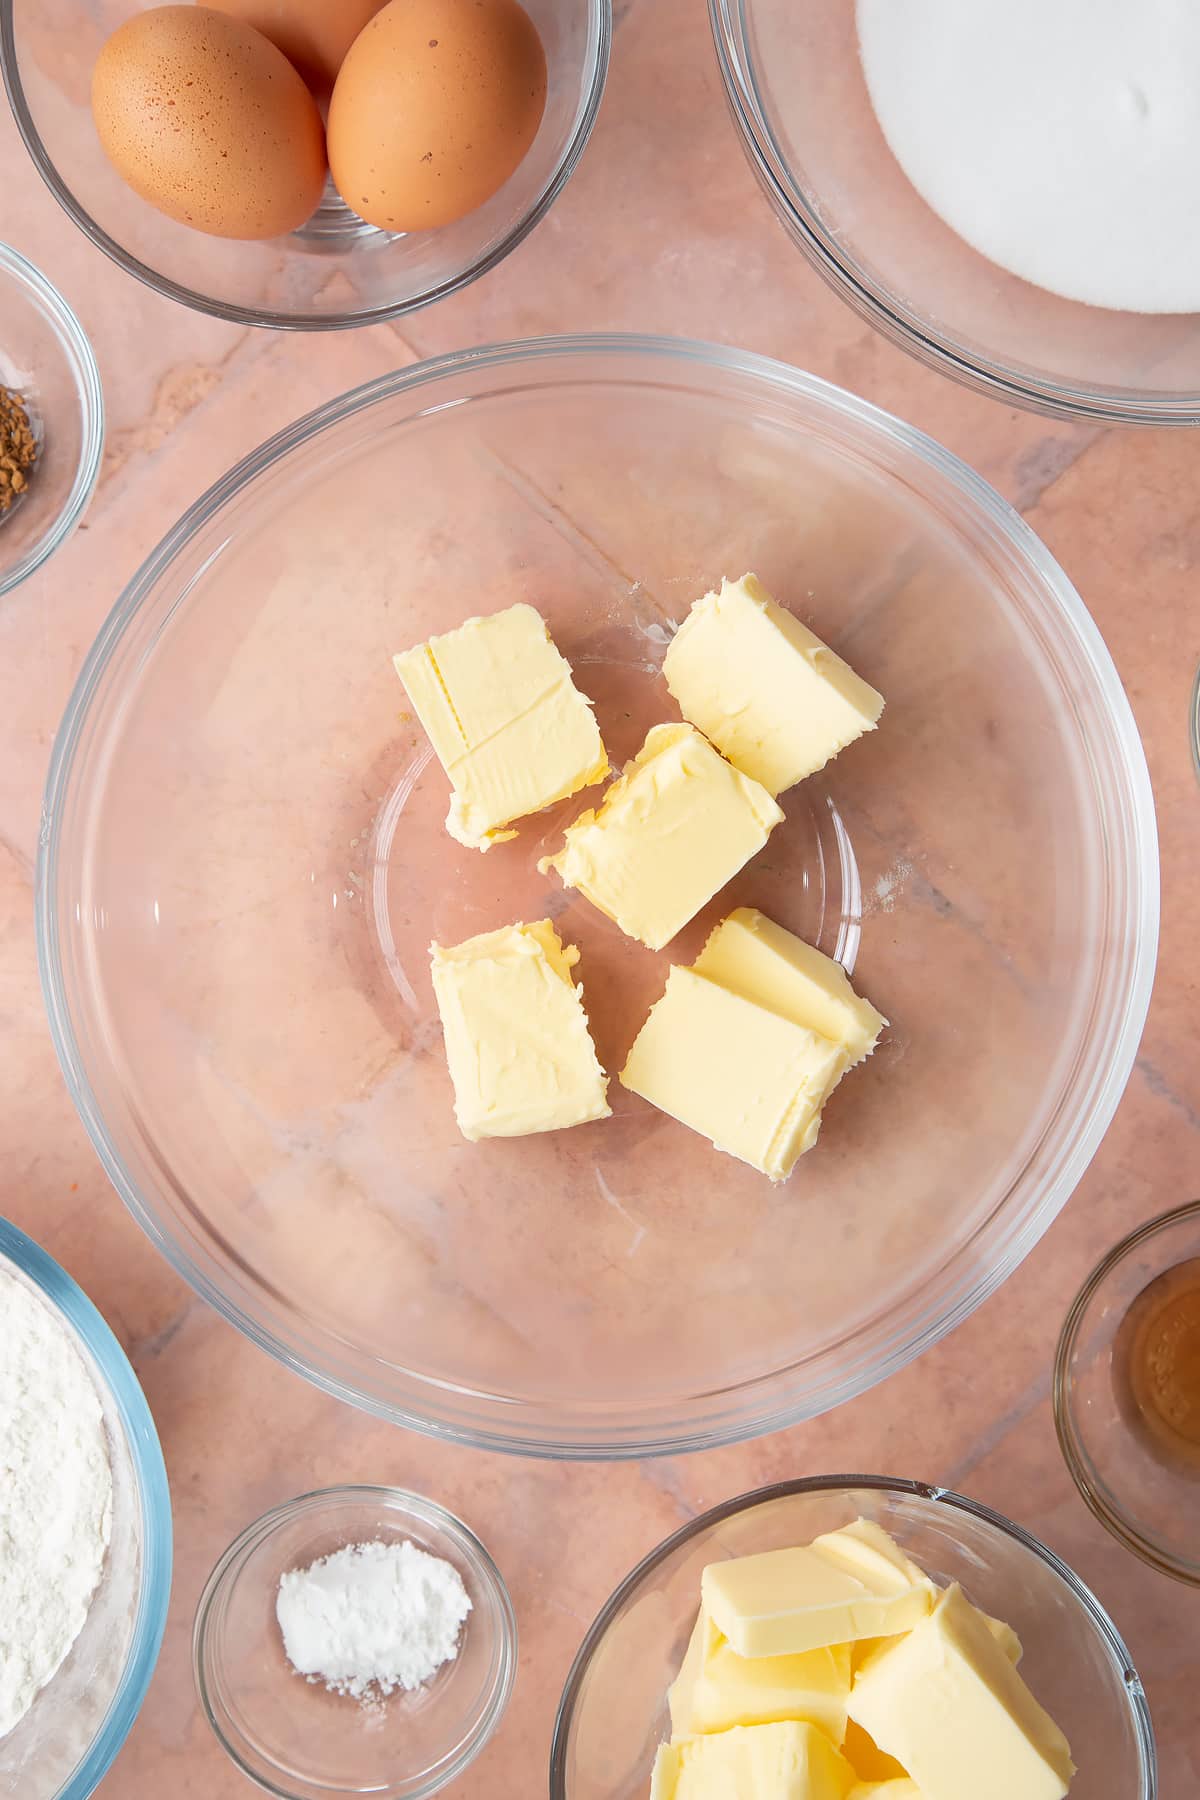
(67, 1740)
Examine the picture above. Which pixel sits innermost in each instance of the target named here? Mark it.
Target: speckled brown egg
(436, 104)
(209, 122)
(314, 35)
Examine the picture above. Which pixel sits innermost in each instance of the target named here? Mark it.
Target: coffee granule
(18, 448)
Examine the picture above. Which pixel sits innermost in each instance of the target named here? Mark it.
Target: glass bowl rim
(78, 353)
(841, 1484)
(430, 1512)
(875, 304)
(1069, 1439)
(154, 1498)
(968, 1286)
(592, 93)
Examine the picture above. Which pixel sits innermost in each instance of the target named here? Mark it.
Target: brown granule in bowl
(18, 448)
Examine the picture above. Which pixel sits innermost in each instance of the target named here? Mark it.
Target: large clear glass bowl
(66, 1742)
(614, 1712)
(799, 98)
(335, 271)
(244, 862)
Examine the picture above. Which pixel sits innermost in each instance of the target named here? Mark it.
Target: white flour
(372, 1616)
(55, 1496)
(1061, 138)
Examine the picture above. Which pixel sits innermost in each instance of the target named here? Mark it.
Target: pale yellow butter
(716, 1688)
(677, 825)
(749, 1080)
(898, 1787)
(517, 1041)
(1004, 1635)
(949, 1705)
(870, 1762)
(783, 1761)
(750, 955)
(865, 1549)
(785, 1602)
(769, 694)
(507, 723)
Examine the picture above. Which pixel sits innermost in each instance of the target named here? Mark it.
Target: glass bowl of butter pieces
(853, 1638)
(477, 865)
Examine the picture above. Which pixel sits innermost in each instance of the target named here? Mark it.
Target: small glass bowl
(292, 1736)
(47, 360)
(613, 1712)
(336, 271)
(1148, 1502)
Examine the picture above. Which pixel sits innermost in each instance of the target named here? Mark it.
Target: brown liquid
(1157, 1364)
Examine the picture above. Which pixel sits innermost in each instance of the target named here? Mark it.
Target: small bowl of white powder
(1005, 188)
(85, 1533)
(359, 1640)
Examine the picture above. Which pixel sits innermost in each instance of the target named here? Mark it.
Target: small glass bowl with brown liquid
(1127, 1392)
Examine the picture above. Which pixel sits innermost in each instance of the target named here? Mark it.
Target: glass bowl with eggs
(1000, 188)
(977, 1661)
(292, 164)
(246, 859)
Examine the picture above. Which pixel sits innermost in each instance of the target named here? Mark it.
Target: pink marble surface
(662, 229)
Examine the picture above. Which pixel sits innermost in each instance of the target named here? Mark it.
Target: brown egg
(209, 122)
(436, 104)
(314, 35)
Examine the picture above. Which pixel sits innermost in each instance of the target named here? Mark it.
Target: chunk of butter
(784, 1602)
(897, 1787)
(949, 1705)
(783, 1761)
(864, 1548)
(677, 825)
(1004, 1635)
(506, 721)
(716, 1688)
(870, 1763)
(750, 955)
(517, 1041)
(751, 1081)
(768, 693)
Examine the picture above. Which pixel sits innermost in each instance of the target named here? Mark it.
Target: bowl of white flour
(85, 1520)
(1003, 188)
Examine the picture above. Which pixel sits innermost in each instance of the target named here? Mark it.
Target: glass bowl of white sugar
(357, 1640)
(85, 1520)
(1004, 189)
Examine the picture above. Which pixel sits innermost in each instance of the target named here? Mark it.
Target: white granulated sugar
(1059, 137)
(373, 1616)
(55, 1495)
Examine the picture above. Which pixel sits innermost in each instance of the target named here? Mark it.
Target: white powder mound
(1061, 138)
(375, 1616)
(55, 1495)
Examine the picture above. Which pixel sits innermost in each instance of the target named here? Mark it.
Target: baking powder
(373, 1616)
(55, 1495)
